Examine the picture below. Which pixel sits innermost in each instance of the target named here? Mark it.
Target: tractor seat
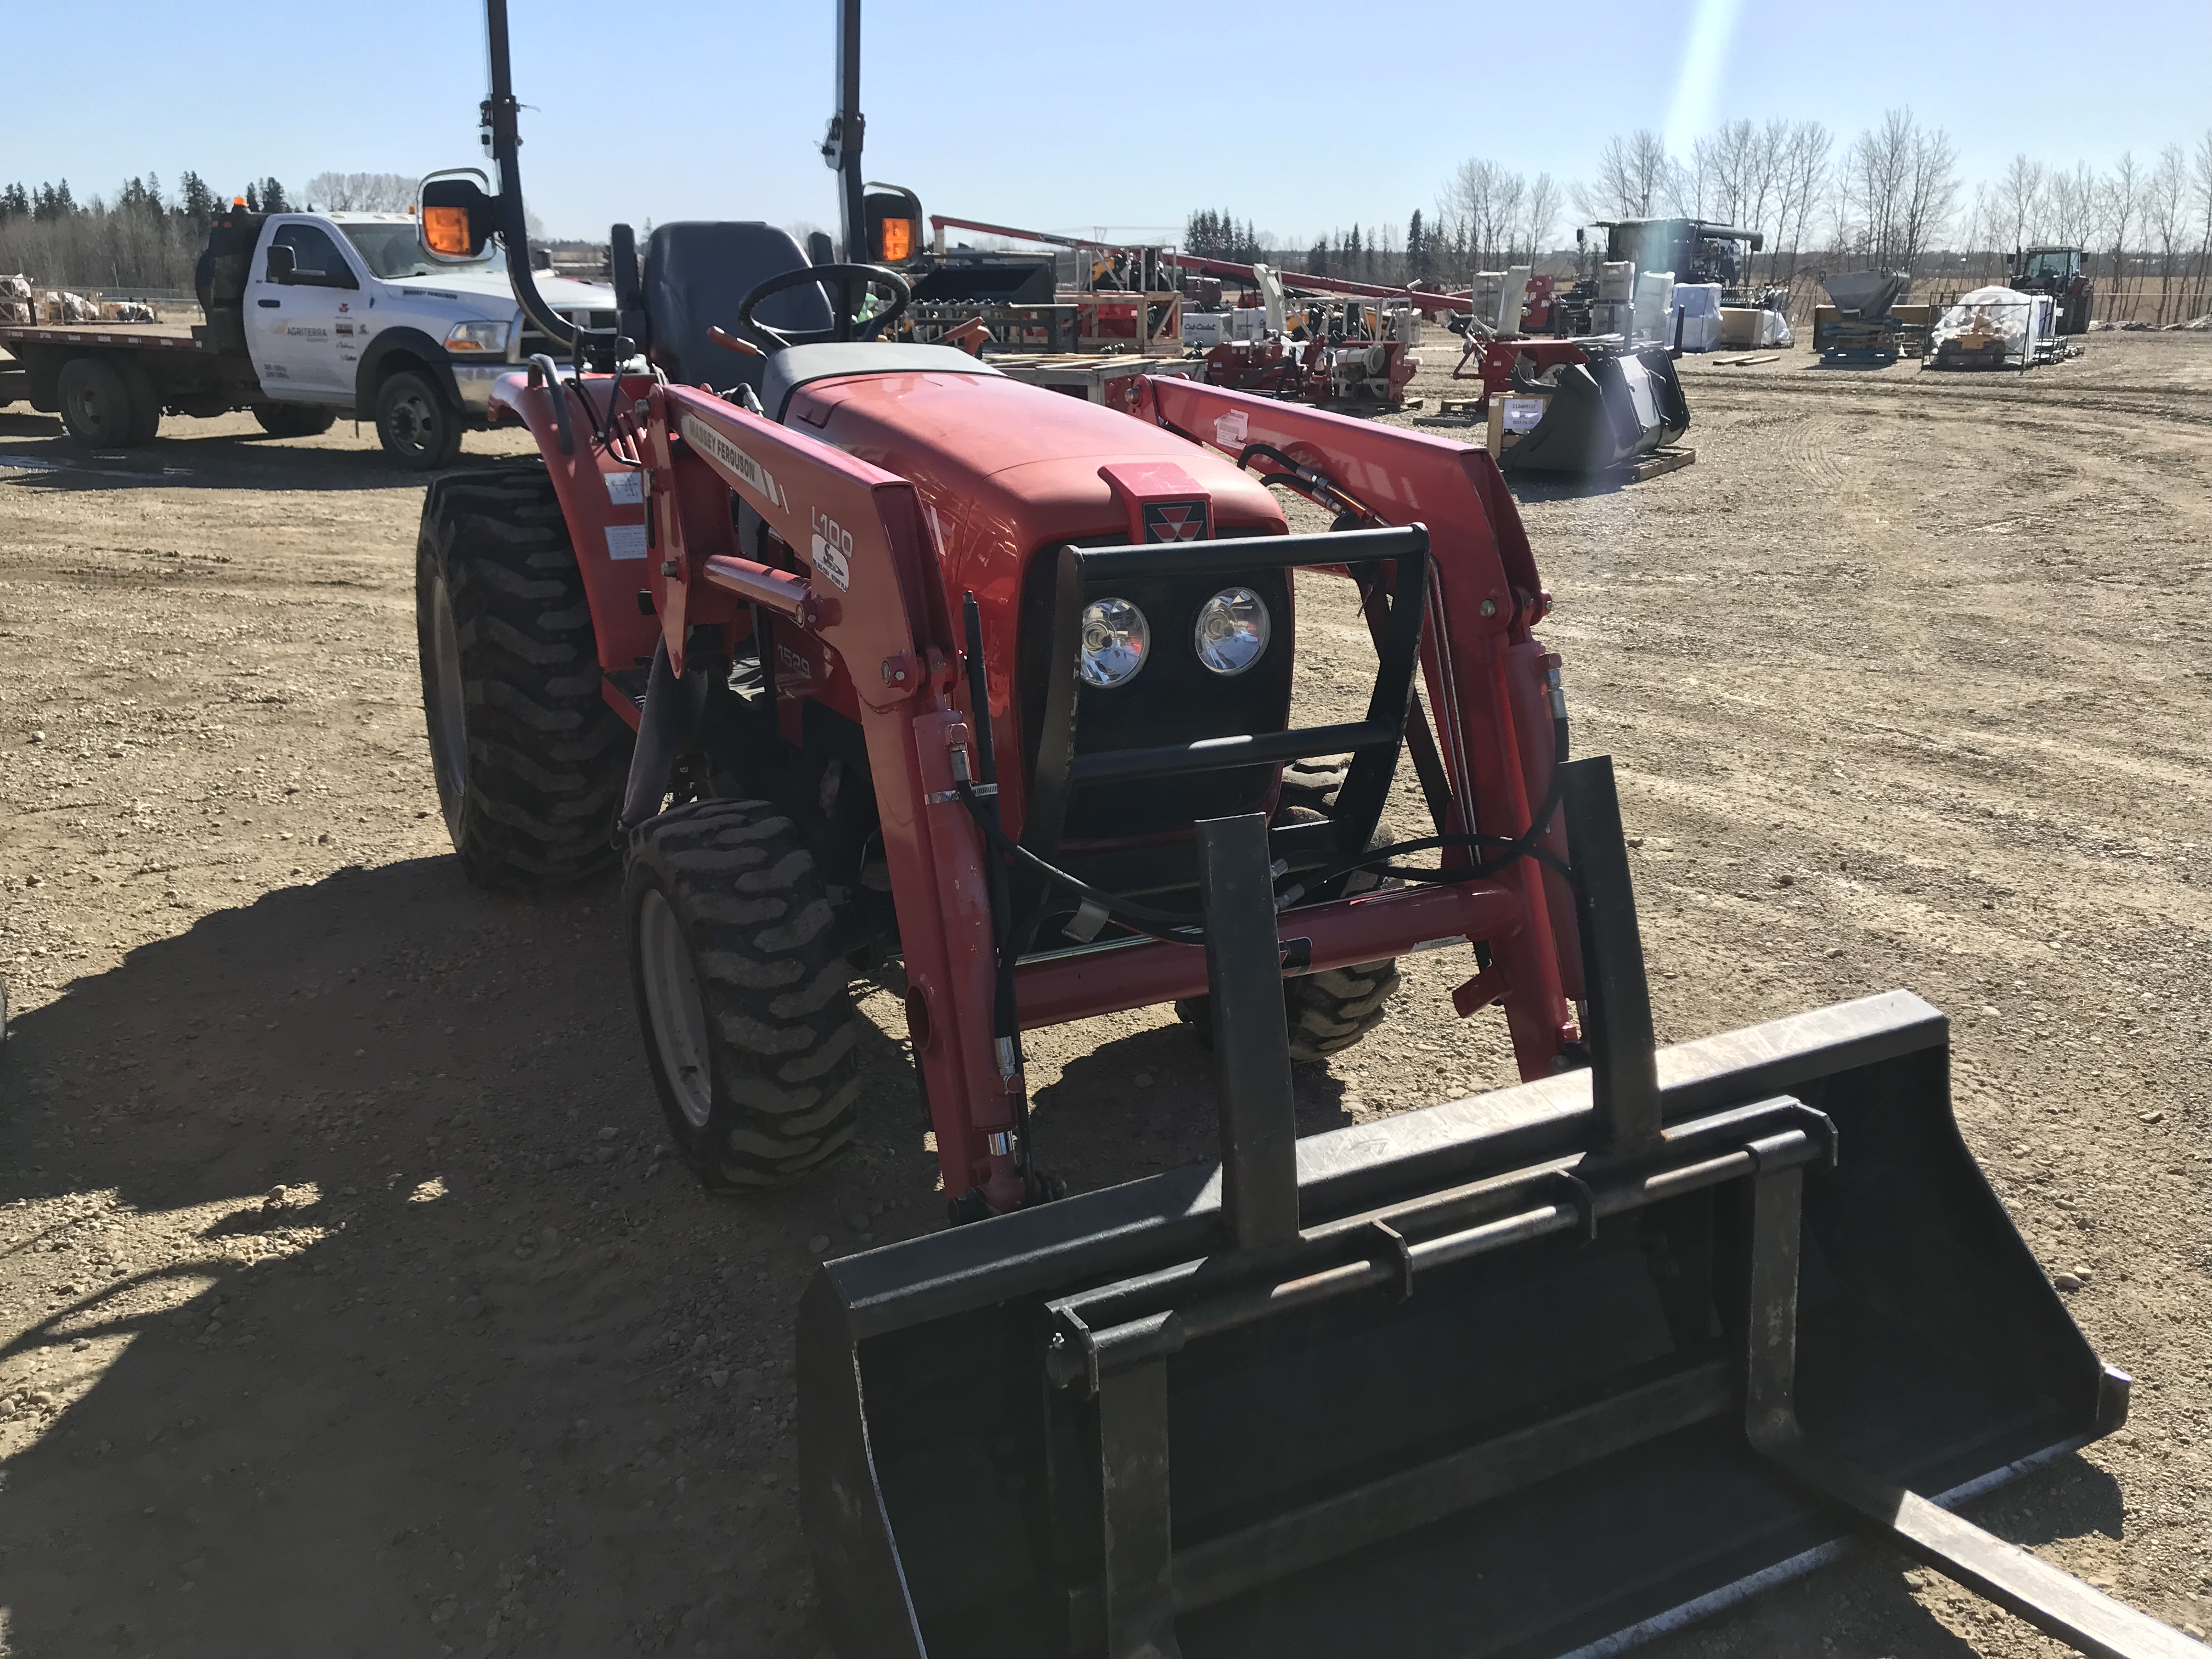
(794, 367)
(696, 270)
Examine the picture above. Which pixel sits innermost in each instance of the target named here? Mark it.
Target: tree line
(1892, 199)
(144, 238)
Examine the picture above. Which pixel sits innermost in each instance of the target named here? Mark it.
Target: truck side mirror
(284, 264)
(457, 217)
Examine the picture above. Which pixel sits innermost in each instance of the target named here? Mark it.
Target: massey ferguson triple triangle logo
(1175, 521)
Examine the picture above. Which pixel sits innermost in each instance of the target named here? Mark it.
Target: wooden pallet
(1655, 466)
(1460, 405)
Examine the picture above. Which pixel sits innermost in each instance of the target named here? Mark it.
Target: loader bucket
(1602, 415)
(1511, 1375)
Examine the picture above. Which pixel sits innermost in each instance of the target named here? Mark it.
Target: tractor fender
(414, 349)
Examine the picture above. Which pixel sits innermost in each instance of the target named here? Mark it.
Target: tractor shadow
(1136, 1104)
(36, 454)
(358, 1312)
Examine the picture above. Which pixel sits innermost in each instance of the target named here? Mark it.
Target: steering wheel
(842, 279)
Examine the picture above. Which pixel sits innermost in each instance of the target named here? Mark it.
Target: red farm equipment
(873, 641)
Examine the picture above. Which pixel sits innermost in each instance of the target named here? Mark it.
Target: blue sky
(1060, 118)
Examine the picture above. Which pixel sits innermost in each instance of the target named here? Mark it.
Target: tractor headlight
(1114, 640)
(1233, 631)
(477, 338)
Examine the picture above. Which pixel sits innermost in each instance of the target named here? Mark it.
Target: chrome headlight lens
(486, 338)
(1115, 638)
(1233, 631)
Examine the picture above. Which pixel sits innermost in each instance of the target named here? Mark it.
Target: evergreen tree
(50, 203)
(272, 197)
(1417, 248)
(253, 197)
(195, 200)
(1317, 257)
(15, 202)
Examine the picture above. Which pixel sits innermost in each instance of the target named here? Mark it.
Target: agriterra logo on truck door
(1175, 521)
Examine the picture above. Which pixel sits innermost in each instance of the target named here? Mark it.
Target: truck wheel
(418, 428)
(295, 420)
(95, 402)
(531, 762)
(145, 404)
(743, 998)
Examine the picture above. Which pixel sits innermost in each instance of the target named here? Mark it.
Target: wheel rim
(672, 1004)
(449, 737)
(91, 411)
(411, 419)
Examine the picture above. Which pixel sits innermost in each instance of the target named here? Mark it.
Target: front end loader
(850, 650)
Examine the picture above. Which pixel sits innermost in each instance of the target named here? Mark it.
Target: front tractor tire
(742, 993)
(1325, 1012)
(531, 762)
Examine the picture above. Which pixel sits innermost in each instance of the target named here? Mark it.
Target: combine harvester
(1531, 1373)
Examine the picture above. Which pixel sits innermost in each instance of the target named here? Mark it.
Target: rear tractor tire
(744, 998)
(531, 762)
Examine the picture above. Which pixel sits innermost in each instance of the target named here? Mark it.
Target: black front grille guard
(1373, 742)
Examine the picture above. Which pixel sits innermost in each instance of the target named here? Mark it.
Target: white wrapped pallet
(1697, 316)
(1653, 321)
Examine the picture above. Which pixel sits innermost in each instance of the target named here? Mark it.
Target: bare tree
(1633, 174)
(2200, 184)
(2166, 217)
(1931, 194)
(361, 192)
(1901, 185)
(2021, 201)
(2119, 199)
(1485, 200)
(1804, 173)
(2070, 215)
(1540, 216)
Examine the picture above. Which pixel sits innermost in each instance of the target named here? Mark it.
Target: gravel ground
(349, 1307)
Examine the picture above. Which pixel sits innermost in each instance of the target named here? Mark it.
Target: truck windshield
(394, 250)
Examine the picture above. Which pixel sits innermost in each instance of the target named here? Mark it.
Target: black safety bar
(1373, 742)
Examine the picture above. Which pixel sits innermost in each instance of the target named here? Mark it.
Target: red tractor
(838, 645)
(842, 646)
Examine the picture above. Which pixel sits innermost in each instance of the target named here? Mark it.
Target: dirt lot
(348, 1306)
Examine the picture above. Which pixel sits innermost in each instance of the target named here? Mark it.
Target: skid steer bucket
(1535, 1372)
(1601, 414)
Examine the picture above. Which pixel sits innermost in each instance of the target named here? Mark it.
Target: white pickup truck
(310, 316)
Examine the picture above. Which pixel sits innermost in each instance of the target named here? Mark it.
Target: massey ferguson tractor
(835, 645)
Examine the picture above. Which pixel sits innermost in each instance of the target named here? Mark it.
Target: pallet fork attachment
(1541, 1372)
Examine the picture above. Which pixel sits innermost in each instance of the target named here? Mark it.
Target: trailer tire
(96, 405)
(145, 404)
(743, 997)
(295, 420)
(418, 428)
(531, 762)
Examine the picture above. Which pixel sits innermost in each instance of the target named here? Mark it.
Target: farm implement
(842, 646)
